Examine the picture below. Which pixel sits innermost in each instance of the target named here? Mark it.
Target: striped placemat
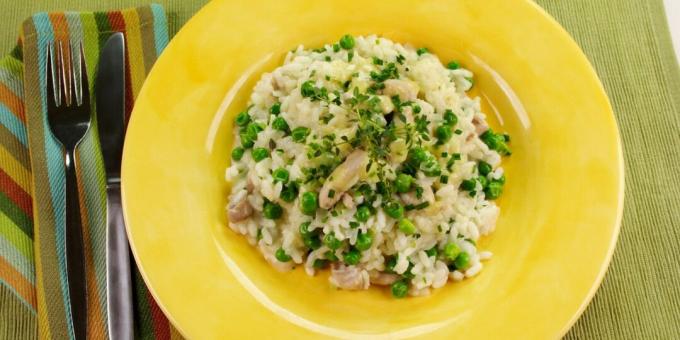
(33, 288)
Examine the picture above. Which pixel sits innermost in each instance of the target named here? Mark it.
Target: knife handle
(118, 273)
(75, 258)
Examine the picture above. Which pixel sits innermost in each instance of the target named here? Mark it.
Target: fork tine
(52, 100)
(84, 83)
(63, 77)
(74, 88)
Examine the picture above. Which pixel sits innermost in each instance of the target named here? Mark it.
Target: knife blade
(110, 93)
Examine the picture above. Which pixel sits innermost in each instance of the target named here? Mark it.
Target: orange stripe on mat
(17, 281)
(61, 34)
(12, 102)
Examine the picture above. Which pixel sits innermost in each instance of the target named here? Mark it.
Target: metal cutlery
(110, 96)
(68, 115)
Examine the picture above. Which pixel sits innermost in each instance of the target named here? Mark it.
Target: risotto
(366, 157)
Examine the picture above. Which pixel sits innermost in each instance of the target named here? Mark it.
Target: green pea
(320, 264)
(468, 185)
(253, 129)
(237, 153)
(422, 50)
(432, 252)
(483, 181)
(451, 251)
(347, 42)
(280, 175)
(501, 179)
(493, 190)
(309, 203)
(272, 210)
(246, 141)
(443, 134)
(403, 183)
(462, 261)
(300, 134)
(364, 241)
(495, 142)
(394, 209)
(249, 137)
(242, 119)
(390, 263)
(484, 168)
(430, 167)
(450, 118)
(275, 109)
(453, 65)
(406, 226)
(307, 89)
(331, 241)
(282, 256)
(362, 214)
(304, 229)
(312, 241)
(409, 272)
(260, 154)
(417, 155)
(289, 192)
(330, 255)
(280, 124)
(352, 257)
(399, 289)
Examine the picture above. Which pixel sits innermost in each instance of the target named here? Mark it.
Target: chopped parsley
(389, 72)
(309, 90)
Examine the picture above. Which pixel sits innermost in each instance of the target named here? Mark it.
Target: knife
(110, 92)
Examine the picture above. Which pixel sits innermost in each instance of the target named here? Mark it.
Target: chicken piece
(239, 207)
(381, 278)
(343, 177)
(349, 277)
(398, 151)
(348, 201)
(386, 104)
(406, 90)
(480, 125)
(250, 186)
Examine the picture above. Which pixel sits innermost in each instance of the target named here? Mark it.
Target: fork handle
(75, 255)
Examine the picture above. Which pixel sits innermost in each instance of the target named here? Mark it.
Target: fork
(68, 115)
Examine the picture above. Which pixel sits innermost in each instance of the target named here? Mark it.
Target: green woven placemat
(628, 43)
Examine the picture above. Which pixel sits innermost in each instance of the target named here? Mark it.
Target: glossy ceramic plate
(560, 212)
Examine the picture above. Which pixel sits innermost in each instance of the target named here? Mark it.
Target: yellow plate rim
(620, 195)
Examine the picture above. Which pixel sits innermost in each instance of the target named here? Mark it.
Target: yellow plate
(560, 212)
